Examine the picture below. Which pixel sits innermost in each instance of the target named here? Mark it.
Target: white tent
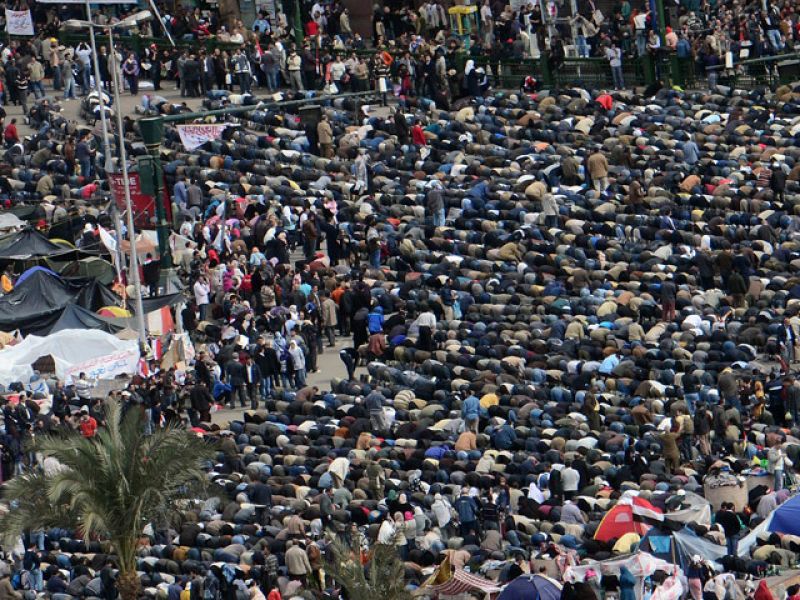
(98, 354)
(640, 565)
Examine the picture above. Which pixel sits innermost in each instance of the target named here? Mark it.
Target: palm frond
(382, 579)
(109, 486)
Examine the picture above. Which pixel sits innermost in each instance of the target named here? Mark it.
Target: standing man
(237, 379)
(84, 56)
(668, 297)
(788, 339)
(597, 165)
(254, 381)
(202, 290)
(293, 66)
(325, 137)
(329, 319)
(614, 57)
(36, 71)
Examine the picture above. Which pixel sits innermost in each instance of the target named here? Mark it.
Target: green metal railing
(138, 43)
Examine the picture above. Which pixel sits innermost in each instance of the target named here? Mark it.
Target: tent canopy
(626, 517)
(98, 353)
(531, 587)
(92, 267)
(37, 302)
(462, 582)
(33, 270)
(76, 317)
(29, 243)
(786, 518)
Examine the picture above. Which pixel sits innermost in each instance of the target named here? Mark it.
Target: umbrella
(531, 587)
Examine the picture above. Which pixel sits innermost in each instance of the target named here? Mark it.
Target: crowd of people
(542, 305)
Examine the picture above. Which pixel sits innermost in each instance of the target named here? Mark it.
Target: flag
(108, 240)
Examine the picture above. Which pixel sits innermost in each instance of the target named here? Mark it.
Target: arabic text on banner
(105, 367)
(19, 22)
(194, 136)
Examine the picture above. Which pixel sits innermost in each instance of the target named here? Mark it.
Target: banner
(105, 367)
(194, 136)
(19, 22)
(144, 207)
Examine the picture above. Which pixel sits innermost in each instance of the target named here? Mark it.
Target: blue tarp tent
(786, 518)
(679, 546)
(33, 270)
(531, 587)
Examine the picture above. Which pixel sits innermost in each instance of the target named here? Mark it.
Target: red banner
(144, 206)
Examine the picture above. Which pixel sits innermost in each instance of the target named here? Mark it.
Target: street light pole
(126, 184)
(107, 160)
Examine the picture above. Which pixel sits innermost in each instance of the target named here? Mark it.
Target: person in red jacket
(10, 134)
(418, 135)
(88, 425)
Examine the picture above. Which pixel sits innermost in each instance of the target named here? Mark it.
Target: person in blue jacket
(375, 320)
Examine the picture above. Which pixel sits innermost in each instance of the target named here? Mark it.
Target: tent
(695, 509)
(640, 565)
(36, 303)
(531, 587)
(30, 243)
(31, 271)
(462, 582)
(92, 267)
(10, 221)
(76, 317)
(786, 518)
(627, 517)
(678, 547)
(98, 354)
(114, 312)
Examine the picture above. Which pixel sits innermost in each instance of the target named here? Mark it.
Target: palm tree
(381, 579)
(109, 486)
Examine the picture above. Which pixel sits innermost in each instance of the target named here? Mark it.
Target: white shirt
(570, 479)
(427, 319)
(201, 291)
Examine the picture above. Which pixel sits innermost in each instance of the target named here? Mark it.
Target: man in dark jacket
(237, 379)
(201, 401)
(777, 182)
(267, 360)
(434, 204)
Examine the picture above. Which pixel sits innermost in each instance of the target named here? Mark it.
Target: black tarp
(37, 303)
(94, 295)
(29, 243)
(76, 317)
(152, 303)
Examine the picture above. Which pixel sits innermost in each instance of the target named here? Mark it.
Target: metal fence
(138, 43)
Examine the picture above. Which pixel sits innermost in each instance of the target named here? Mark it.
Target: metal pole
(298, 25)
(123, 159)
(118, 229)
(98, 84)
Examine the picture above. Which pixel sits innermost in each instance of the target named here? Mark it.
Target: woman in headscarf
(471, 79)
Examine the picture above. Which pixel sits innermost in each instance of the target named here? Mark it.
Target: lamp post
(126, 23)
